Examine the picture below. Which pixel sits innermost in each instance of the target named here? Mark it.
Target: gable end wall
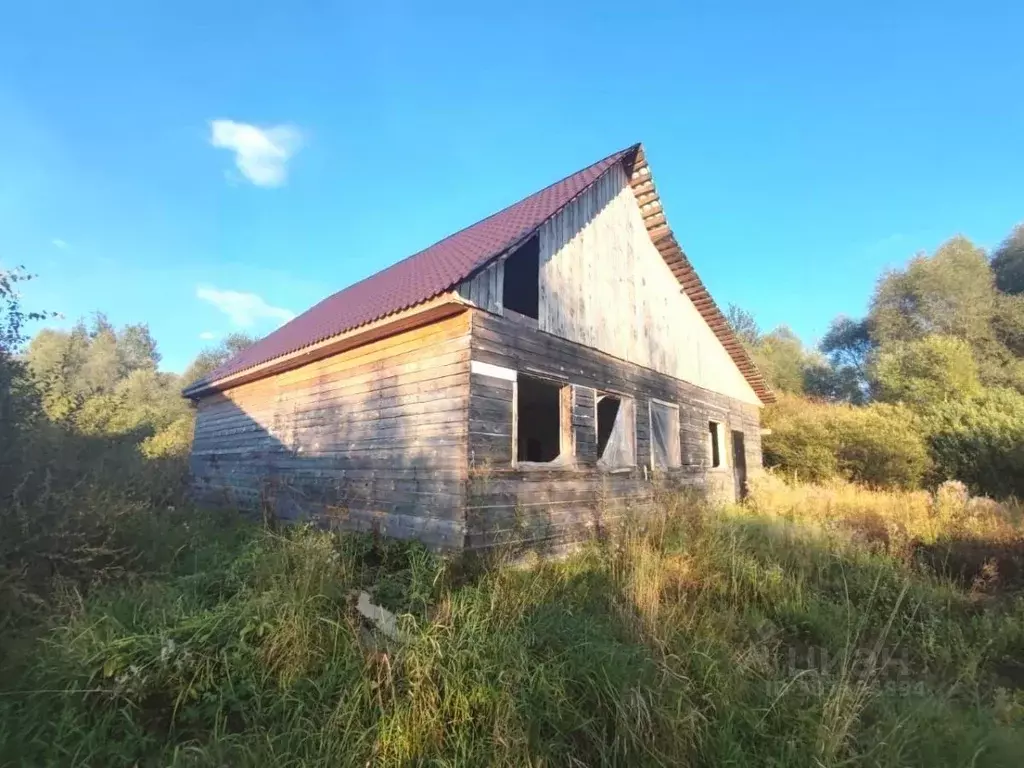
(603, 284)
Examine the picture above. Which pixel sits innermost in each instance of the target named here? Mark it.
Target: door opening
(739, 464)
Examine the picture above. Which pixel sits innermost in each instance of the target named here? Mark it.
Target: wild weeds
(698, 636)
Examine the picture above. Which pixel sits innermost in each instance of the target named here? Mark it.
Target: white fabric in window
(664, 436)
(619, 451)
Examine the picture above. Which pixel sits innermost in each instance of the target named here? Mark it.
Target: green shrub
(877, 445)
(173, 440)
(979, 441)
(800, 441)
(925, 371)
(81, 511)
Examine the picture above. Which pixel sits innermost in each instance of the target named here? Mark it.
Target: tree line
(927, 387)
(102, 380)
(94, 382)
(94, 440)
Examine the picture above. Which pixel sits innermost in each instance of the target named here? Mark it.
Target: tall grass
(775, 634)
(893, 513)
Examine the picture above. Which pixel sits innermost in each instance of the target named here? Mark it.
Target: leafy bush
(80, 510)
(173, 440)
(877, 445)
(925, 371)
(800, 441)
(979, 441)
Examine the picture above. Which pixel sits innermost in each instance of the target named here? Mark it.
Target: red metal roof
(445, 264)
(417, 278)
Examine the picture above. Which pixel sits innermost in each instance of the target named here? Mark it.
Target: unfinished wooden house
(525, 379)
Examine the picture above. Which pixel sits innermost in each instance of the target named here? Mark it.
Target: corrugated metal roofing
(419, 277)
(447, 263)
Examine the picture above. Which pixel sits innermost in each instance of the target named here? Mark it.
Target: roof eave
(437, 308)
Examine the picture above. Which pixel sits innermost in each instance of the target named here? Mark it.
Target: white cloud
(261, 154)
(58, 243)
(207, 335)
(244, 310)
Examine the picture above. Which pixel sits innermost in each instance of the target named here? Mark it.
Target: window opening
(715, 429)
(615, 431)
(521, 291)
(539, 428)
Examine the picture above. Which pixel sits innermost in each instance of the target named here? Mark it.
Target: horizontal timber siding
(506, 503)
(371, 438)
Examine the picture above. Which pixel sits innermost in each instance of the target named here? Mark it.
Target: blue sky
(799, 149)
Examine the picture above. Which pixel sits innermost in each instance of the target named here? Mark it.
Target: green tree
(1008, 262)
(20, 406)
(744, 326)
(950, 293)
(841, 375)
(925, 371)
(210, 359)
(1008, 323)
(141, 404)
(136, 349)
(844, 384)
(847, 343)
(781, 357)
(88, 361)
(102, 369)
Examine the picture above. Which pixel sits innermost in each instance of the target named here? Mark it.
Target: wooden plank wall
(371, 438)
(486, 288)
(604, 284)
(505, 503)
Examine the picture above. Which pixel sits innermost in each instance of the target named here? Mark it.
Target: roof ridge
(458, 256)
(416, 278)
(620, 153)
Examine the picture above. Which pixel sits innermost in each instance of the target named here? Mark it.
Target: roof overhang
(440, 307)
(647, 197)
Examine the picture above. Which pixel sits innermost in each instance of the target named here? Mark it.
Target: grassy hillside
(818, 625)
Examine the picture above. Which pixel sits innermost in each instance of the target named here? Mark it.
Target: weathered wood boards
(604, 284)
(485, 288)
(400, 436)
(506, 502)
(374, 437)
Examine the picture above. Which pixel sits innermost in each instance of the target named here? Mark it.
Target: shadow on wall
(371, 455)
(547, 510)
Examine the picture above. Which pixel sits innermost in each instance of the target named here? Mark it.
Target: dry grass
(782, 633)
(898, 515)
